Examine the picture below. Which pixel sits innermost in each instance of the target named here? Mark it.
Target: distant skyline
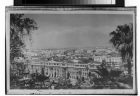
(75, 30)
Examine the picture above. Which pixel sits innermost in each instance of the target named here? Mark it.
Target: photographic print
(70, 52)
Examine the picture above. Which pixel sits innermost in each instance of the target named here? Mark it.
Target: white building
(73, 70)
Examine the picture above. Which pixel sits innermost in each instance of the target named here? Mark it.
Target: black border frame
(118, 3)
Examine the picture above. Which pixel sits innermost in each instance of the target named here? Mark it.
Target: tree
(106, 75)
(65, 72)
(42, 71)
(122, 40)
(103, 72)
(68, 75)
(87, 68)
(20, 27)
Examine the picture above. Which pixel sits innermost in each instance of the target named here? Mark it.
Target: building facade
(72, 70)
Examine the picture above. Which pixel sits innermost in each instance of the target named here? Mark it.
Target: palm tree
(122, 40)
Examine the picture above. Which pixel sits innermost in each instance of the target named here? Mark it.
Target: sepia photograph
(70, 51)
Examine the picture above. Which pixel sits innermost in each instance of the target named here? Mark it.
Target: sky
(75, 30)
